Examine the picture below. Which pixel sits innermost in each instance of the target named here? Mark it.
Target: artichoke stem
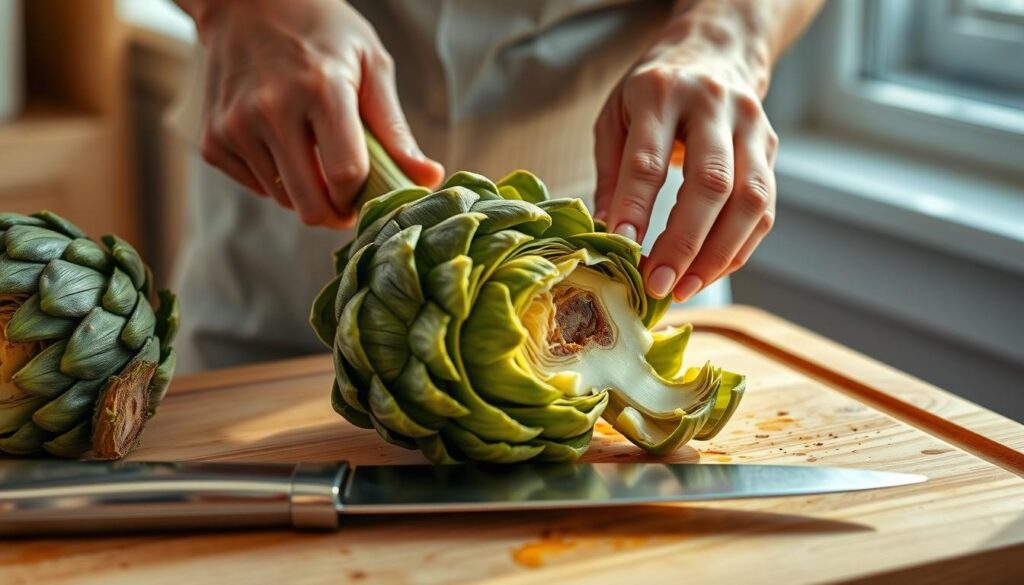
(385, 176)
(122, 411)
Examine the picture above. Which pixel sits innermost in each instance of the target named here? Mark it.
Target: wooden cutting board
(809, 401)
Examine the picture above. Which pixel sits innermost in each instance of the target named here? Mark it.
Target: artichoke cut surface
(85, 354)
(488, 322)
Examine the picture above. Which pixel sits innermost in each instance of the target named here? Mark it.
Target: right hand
(288, 87)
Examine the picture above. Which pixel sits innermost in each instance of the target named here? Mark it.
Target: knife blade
(49, 497)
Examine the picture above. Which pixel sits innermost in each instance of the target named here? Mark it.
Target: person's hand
(700, 84)
(287, 86)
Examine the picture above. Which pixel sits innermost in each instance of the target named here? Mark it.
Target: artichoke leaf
(435, 450)
(54, 221)
(447, 240)
(341, 405)
(42, 375)
(437, 208)
(379, 207)
(415, 385)
(321, 316)
(502, 214)
(30, 323)
(448, 285)
(387, 411)
(348, 339)
(72, 443)
(507, 382)
(384, 338)
(393, 277)
(121, 294)
(26, 440)
(140, 326)
(427, 341)
(569, 217)
(88, 253)
(477, 448)
(18, 277)
(569, 449)
(478, 184)
(35, 244)
(529, 187)
(666, 353)
(492, 331)
(70, 290)
(94, 349)
(15, 412)
(70, 408)
(128, 259)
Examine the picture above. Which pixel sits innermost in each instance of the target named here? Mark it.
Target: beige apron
(488, 86)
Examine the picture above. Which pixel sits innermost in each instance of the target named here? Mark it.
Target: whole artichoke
(84, 357)
(488, 322)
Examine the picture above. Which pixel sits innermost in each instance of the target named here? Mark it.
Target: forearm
(755, 31)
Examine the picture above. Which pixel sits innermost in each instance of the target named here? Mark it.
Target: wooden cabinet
(67, 151)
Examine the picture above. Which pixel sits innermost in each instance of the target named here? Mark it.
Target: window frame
(907, 114)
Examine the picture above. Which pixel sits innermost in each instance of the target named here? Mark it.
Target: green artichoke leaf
(391, 436)
(393, 277)
(427, 341)
(384, 338)
(728, 397)
(70, 408)
(121, 294)
(503, 214)
(15, 412)
(415, 385)
(346, 385)
(654, 438)
(437, 208)
(529, 187)
(162, 379)
(478, 184)
(70, 290)
(608, 244)
(168, 317)
(569, 449)
(387, 411)
(506, 381)
(435, 450)
(492, 332)
(666, 353)
(140, 326)
(35, 244)
(321, 316)
(19, 278)
(384, 205)
(349, 339)
(351, 277)
(569, 217)
(341, 256)
(26, 440)
(88, 253)
(500, 452)
(448, 239)
(352, 415)
(30, 323)
(448, 285)
(492, 249)
(128, 259)
(42, 375)
(62, 225)
(72, 443)
(524, 276)
(9, 220)
(509, 192)
(562, 418)
(94, 349)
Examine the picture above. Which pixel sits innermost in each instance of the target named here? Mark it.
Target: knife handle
(48, 497)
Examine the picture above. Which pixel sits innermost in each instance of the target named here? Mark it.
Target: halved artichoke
(488, 322)
(85, 354)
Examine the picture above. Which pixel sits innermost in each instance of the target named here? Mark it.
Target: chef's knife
(50, 497)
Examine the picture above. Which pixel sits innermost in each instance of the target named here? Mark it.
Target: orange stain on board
(776, 424)
(723, 459)
(551, 548)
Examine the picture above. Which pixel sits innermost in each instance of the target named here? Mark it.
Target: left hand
(702, 85)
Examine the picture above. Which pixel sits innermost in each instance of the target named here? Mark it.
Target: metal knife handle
(49, 497)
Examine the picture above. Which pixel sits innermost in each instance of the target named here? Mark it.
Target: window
(940, 75)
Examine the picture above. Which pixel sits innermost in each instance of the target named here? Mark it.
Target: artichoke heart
(85, 354)
(489, 322)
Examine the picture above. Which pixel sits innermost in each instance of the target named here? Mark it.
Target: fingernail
(628, 230)
(661, 280)
(688, 286)
(416, 153)
(601, 215)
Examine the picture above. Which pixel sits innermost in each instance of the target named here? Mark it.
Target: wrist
(203, 13)
(724, 33)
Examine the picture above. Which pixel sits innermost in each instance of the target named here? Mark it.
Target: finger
(642, 172)
(764, 225)
(291, 145)
(707, 183)
(258, 156)
(379, 104)
(752, 195)
(338, 132)
(219, 156)
(609, 140)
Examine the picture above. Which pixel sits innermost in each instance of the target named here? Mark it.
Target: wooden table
(809, 401)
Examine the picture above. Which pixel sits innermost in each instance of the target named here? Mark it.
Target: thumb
(383, 114)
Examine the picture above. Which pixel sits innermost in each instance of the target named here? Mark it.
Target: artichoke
(488, 322)
(84, 356)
